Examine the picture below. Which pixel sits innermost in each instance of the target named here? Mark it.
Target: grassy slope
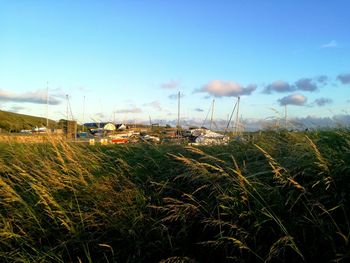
(10, 121)
(277, 198)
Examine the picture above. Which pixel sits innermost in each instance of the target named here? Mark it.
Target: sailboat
(205, 136)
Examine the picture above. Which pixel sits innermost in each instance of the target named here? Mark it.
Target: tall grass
(277, 197)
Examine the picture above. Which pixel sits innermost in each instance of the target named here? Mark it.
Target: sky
(127, 60)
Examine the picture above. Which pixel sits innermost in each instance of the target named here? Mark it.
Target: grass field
(14, 122)
(275, 197)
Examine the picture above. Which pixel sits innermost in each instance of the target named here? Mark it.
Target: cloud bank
(16, 108)
(218, 88)
(36, 97)
(304, 84)
(253, 124)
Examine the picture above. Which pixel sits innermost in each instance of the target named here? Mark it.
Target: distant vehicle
(39, 129)
(26, 131)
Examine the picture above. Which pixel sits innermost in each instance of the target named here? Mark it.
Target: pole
(47, 104)
(206, 117)
(67, 117)
(67, 107)
(237, 115)
(285, 116)
(83, 114)
(212, 113)
(178, 110)
(228, 124)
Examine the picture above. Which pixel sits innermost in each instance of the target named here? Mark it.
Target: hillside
(14, 122)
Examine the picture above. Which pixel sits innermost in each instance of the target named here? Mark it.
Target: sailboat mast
(178, 110)
(285, 116)
(67, 108)
(229, 121)
(47, 104)
(83, 113)
(212, 113)
(237, 115)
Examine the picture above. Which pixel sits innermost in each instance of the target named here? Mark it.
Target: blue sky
(128, 58)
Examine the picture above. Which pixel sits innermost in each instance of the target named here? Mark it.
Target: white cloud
(294, 99)
(331, 44)
(172, 84)
(129, 110)
(154, 104)
(36, 97)
(218, 88)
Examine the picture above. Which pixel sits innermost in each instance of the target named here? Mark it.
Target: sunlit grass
(275, 197)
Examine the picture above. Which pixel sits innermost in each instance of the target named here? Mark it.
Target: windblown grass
(277, 197)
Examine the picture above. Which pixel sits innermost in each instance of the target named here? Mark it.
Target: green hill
(14, 122)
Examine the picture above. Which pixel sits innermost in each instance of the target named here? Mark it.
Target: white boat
(208, 137)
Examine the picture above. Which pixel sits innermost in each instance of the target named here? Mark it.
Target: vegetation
(277, 197)
(14, 122)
